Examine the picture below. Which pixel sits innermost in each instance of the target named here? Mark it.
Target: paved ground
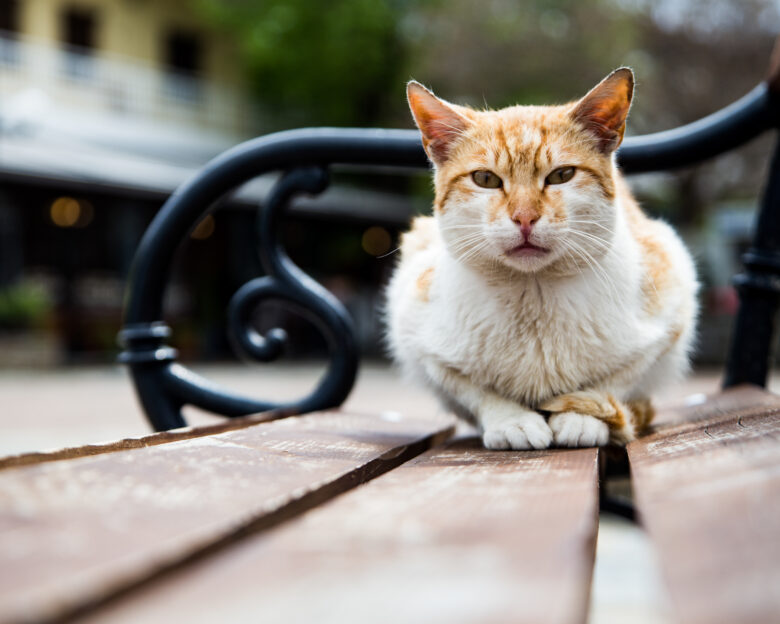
(42, 410)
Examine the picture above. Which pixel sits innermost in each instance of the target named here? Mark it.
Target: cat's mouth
(528, 250)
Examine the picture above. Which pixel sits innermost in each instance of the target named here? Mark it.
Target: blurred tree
(317, 63)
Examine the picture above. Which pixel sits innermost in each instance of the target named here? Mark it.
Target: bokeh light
(376, 241)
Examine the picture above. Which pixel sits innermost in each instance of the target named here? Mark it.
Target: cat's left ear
(604, 109)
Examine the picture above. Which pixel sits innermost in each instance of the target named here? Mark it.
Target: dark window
(9, 28)
(78, 28)
(9, 16)
(183, 52)
(78, 31)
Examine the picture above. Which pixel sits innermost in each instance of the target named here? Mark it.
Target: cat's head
(526, 187)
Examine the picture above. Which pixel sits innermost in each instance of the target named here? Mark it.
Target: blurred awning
(81, 166)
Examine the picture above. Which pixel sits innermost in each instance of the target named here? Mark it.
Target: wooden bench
(334, 516)
(347, 517)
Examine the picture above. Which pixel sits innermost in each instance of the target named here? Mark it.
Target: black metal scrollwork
(163, 386)
(285, 281)
(153, 362)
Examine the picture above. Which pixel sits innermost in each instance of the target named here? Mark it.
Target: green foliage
(317, 62)
(22, 306)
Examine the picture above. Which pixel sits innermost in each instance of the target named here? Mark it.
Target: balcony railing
(114, 84)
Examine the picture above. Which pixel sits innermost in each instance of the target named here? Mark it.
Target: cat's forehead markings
(538, 156)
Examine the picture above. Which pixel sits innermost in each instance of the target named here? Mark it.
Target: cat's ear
(604, 109)
(440, 124)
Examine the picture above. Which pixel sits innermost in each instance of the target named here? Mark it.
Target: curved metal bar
(706, 138)
(164, 386)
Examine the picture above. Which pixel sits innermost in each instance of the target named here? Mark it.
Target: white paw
(521, 431)
(578, 430)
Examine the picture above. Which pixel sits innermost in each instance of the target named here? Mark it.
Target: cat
(539, 300)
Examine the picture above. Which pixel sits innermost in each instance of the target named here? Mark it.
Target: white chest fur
(529, 338)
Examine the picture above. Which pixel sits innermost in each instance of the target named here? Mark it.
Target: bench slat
(460, 534)
(74, 532)
(709, 495)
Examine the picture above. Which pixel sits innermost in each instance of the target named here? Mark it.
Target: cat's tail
(626, 421)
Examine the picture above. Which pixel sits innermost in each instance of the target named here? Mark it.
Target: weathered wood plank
(74, 532)
(460, 534)
(709, 494)
(152, 439)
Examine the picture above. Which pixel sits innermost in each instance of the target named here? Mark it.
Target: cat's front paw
(578, 430)
(519, 432)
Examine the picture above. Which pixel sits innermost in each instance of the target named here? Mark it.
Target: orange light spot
(204, 229)
(376, 241)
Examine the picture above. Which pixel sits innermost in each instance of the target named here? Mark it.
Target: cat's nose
(526, 220)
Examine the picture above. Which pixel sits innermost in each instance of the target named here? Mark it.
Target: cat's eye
(560, 175)
(486, 179)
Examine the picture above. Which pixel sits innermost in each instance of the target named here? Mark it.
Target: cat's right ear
(440, 124)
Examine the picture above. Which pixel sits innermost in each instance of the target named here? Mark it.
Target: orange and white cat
(538, 299)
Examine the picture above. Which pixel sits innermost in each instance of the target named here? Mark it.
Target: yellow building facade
(153, 61)
(135, 29)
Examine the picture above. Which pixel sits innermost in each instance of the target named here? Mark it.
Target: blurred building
(106, 106)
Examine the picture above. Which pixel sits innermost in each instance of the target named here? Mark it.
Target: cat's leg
(504, 424)
(594, 418)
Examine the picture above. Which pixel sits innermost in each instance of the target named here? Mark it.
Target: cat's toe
(566, 428)
(520, 434)
(578, 430)
(595, 432)
(537, 434)
(495, 439)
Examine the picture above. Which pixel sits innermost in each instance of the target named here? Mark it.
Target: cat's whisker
(469, 236)
(463, 243)
(591, 237)
(474, 251)
(598, 271)
(596, 223)
(584, 233)
(389, 253)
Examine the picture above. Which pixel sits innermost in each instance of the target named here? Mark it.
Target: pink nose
(526, 227)
(525, 218)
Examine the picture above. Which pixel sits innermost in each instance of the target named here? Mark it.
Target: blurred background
(106, 106)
